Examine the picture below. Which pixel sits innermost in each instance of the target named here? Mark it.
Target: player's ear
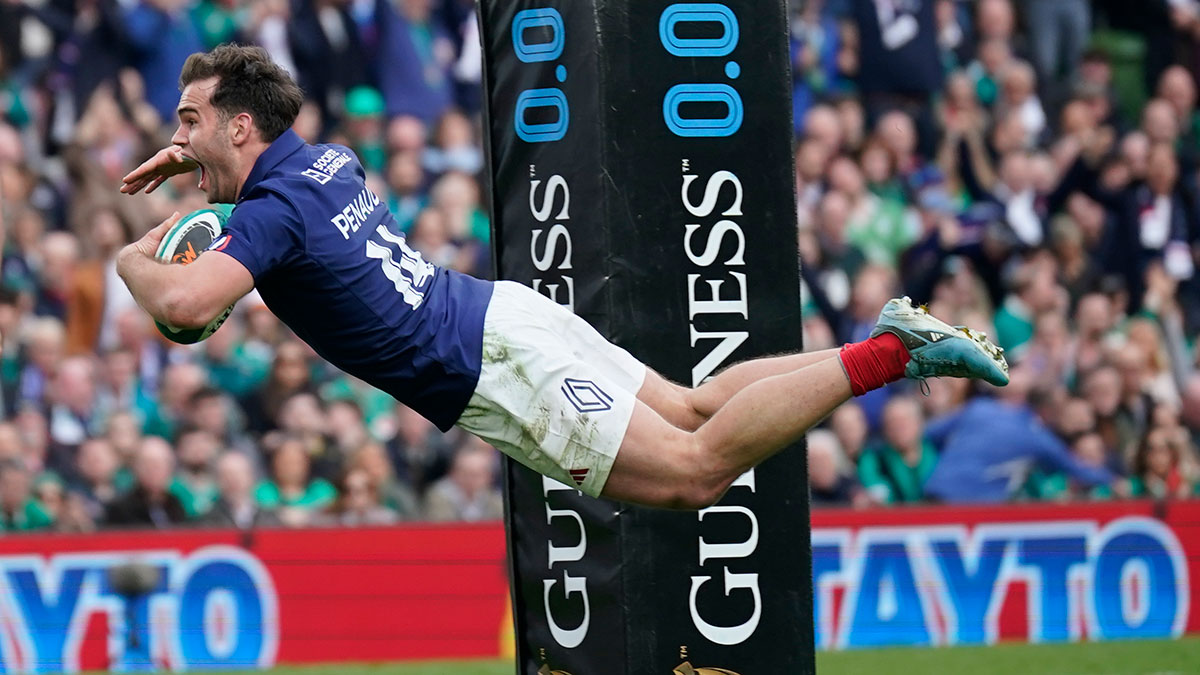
(241, 128)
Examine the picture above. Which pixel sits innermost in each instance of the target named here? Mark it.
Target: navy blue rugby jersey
(329, 261)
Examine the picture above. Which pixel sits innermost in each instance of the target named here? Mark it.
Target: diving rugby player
(496, 359)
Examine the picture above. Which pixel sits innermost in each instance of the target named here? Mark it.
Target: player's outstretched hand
(154, 171)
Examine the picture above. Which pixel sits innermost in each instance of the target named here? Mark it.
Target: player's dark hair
(249, 82)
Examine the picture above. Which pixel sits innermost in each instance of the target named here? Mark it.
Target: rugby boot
(937, 349)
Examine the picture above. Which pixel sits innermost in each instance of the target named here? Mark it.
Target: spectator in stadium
(45, 344)
(1157, 378)
(303, 416)
(880, 229)
(372, 459)
(10, 443)
(1058, 34)
(899, 64)
(405, 180)
(35, 438)
(1164, 466)
(1048, 351)
(124, 433)
(415, 57)
(116, 127)
(454, 147)
(829, 484)
(149, 503)
(212, 410)
(1018, 97)
(1133, 414)
(71, 412)
(96, 477)
(974, 467)
(56, 269)
(818, 57)
(1078, 270)
(1177, 86)
(420, 454)
(329, 54)
(169, 411)
(1151, 219)
(896, 469)
(97, 294)
(161, 35)
(849, 424)
(290, 374)
(290, 487)
(468, 492)
(19, 511)
(50, 494)
(357, 503)
(456, 197)
(1034, 292)
(236, 506)
(1094, 327)
(346, 425)
(117, 387)
(1088, 448)
(194, 483)
(363, 126)
(133, 335)
(236, 366)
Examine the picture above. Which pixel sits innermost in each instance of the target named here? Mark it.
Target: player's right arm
(184, 296)
(155, 171)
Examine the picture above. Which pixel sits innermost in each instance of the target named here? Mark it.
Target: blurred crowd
(106, 424)
(1026, 167)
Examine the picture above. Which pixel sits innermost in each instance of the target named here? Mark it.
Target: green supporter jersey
(318, 494)
(196, 500)
(1053, 486)
(30, 516)
(884, 473)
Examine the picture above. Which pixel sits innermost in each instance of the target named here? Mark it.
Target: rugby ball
(190, 237)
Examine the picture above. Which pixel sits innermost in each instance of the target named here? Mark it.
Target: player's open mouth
(203, 173)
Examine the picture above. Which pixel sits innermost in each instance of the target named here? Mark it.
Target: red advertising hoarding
(919, 576)
(273, 596)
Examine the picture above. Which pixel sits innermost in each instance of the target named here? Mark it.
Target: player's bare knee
(691, 415)
(702, 478)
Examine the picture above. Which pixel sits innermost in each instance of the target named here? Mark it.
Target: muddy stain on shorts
(532, 421)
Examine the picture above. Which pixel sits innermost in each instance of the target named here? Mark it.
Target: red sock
(874, 362)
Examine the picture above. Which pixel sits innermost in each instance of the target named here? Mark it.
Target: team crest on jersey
(219, 243)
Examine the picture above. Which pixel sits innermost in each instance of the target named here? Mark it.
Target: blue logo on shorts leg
(586, 396)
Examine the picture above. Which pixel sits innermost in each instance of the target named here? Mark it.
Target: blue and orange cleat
(937, 349)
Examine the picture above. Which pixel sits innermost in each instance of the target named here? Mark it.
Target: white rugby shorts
(552, 393)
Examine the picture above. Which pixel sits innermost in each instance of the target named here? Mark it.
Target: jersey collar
(280, 149)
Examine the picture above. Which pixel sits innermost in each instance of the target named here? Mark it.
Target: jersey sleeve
(262, 233)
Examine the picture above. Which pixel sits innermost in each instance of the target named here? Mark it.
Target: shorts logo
(578, 475)
(586, 396)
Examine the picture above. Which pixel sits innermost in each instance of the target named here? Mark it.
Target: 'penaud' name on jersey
(329, 261)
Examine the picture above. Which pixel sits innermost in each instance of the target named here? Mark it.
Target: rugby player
(497, 359)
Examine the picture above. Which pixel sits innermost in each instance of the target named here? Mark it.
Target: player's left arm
(183, 296)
